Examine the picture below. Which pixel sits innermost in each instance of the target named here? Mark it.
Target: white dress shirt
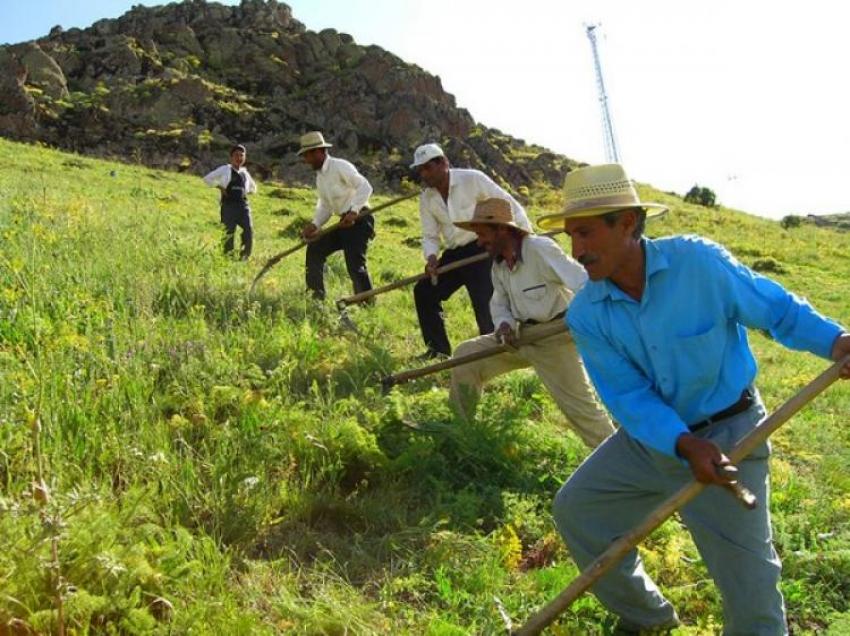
(540, 286)
(466, 188)
(221, 176)
(341, 188)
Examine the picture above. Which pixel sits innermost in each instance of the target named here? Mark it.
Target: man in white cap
(661, 327)
(533, 282)
(344, 193)
(235, 184)
(450, 195)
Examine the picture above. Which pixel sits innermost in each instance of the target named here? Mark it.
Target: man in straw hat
(661, 327)
(343, 192)
(533, 282)
(235, 184)
(450, 195)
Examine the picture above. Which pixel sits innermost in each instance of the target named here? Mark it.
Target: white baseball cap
(425, 153)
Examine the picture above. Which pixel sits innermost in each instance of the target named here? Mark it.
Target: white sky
(749, 98)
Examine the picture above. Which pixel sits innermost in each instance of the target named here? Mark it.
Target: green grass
(224, 464)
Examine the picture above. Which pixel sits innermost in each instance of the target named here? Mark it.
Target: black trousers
(353, 241)
(233, 215)
(429, 298)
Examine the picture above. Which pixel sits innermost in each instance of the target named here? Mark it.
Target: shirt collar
(452, 182)
(655, 261)
(434, 192)
(325, 164)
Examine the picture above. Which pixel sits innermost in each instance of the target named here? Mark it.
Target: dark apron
(235, 211)
(234, 202)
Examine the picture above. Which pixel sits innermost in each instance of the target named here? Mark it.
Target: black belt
(531, 321)
(744, 402)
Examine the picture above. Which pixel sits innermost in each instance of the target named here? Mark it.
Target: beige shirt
(466, 188)
(539, 287)
(341, 188)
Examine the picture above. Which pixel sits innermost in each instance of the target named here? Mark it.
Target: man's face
(433, 172)
(600, 247)
(315, 158)
(237, 158)
(492, 238)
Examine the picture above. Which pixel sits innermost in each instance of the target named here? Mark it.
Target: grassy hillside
(221, 464)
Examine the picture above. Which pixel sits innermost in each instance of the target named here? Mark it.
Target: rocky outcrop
(17, 106)
(42, 70)
(175, 85)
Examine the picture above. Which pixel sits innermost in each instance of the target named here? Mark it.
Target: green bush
(701, 196)
(790, 221)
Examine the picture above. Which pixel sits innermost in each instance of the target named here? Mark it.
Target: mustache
(587, 259)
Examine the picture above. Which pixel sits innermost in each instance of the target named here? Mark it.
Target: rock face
(176, 85)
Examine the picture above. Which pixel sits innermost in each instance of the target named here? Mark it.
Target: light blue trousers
(623, 480)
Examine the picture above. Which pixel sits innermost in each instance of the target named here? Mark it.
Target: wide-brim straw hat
(493, 211)
(311, 140)
(596, 190)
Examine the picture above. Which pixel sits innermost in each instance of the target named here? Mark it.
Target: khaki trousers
(556, 362)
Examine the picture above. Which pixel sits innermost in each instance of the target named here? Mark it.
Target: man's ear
(628, 220)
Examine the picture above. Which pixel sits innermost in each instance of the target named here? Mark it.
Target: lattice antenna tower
(611, 153)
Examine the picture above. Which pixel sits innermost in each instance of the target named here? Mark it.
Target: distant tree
(701, 196)
(791, 220)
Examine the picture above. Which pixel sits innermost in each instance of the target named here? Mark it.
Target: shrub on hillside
(791, 220)
(769, 265)
(701, 196)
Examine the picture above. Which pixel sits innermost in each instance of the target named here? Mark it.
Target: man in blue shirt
(661, 327)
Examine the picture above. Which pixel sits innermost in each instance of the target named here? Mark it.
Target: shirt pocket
(534, 293)
(698, 358)
(461, 205)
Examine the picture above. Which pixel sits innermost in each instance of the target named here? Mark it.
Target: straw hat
(312, 139)
(596, 190)
(492, 211)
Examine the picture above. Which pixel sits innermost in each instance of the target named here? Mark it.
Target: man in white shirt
(533, 283)
(343, 192)
(450, 195)
(234, 183)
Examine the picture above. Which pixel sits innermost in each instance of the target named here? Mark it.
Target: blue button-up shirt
(680, 354)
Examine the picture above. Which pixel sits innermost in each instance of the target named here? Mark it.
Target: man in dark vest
(234, 182)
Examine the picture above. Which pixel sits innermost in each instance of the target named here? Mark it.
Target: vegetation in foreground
(178, 457)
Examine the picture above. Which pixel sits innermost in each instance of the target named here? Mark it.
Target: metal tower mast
(611, 154)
